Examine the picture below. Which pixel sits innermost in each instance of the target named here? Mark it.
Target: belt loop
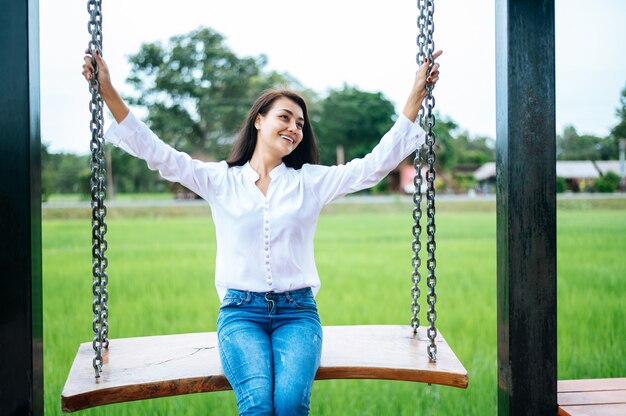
(288, 296)
(248, 296)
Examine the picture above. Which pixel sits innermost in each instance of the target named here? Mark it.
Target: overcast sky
(326, 43)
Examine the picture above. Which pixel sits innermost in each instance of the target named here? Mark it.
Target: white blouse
(265, 242)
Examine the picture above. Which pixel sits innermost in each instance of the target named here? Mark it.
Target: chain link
(97, 184)
(426, 47)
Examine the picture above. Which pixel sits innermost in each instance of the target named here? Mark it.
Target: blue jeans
(270, 345)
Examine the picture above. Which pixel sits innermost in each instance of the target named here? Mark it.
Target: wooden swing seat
(168, 365)
(592, 397)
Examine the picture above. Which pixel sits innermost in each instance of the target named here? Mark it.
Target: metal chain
(417, 244)
(98, 191)
(429, 119)
(426, 47)
(417, 182)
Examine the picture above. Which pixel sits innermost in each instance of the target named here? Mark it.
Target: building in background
(579, 175)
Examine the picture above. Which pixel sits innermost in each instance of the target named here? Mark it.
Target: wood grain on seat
(592, 397)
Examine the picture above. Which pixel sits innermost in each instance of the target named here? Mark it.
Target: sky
(328, 43)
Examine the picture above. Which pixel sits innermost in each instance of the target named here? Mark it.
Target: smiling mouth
(289, 139)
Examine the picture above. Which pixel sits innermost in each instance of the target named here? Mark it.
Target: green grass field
(162, 267)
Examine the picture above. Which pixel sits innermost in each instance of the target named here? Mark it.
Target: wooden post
(21, 325)
(526, 207)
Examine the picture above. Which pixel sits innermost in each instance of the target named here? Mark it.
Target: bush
(561, 185)
(607, 183)
(465, 183)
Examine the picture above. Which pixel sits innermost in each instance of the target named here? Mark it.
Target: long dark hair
(305, 152)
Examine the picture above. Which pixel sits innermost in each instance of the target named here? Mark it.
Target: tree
(65, 169)
(619, 131)
(452, 149)
(130, 174)
(571, 146)
(48, 174)
(197, 91)
(351, 118)
(447, 153)
(474, 150)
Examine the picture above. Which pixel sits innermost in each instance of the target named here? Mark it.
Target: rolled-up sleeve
(135, 138)
(328, 183)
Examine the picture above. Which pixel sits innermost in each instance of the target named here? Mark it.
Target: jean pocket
(307, 302)
(231, 301)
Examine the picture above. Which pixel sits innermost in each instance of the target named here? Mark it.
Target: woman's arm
(138, 140)
(329, 183)
(109, 94)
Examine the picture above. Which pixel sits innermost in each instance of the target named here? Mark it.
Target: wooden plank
(592, 397)
(598, 410)
(159, 366)
(594, 384)
(144, 368)
(387, 352)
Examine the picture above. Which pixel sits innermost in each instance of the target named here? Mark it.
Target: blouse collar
(253, 176)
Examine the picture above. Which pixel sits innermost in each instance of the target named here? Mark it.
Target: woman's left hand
(418, 92)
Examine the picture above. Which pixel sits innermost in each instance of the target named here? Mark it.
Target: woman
(265, 201)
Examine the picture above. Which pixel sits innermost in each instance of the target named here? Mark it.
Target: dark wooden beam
(526, 207)
(21, 325)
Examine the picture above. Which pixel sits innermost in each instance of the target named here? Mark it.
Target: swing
(159, 366)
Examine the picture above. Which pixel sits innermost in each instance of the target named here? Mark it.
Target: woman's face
(280, 130)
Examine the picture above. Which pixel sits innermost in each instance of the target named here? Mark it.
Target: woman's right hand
(111, 98)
